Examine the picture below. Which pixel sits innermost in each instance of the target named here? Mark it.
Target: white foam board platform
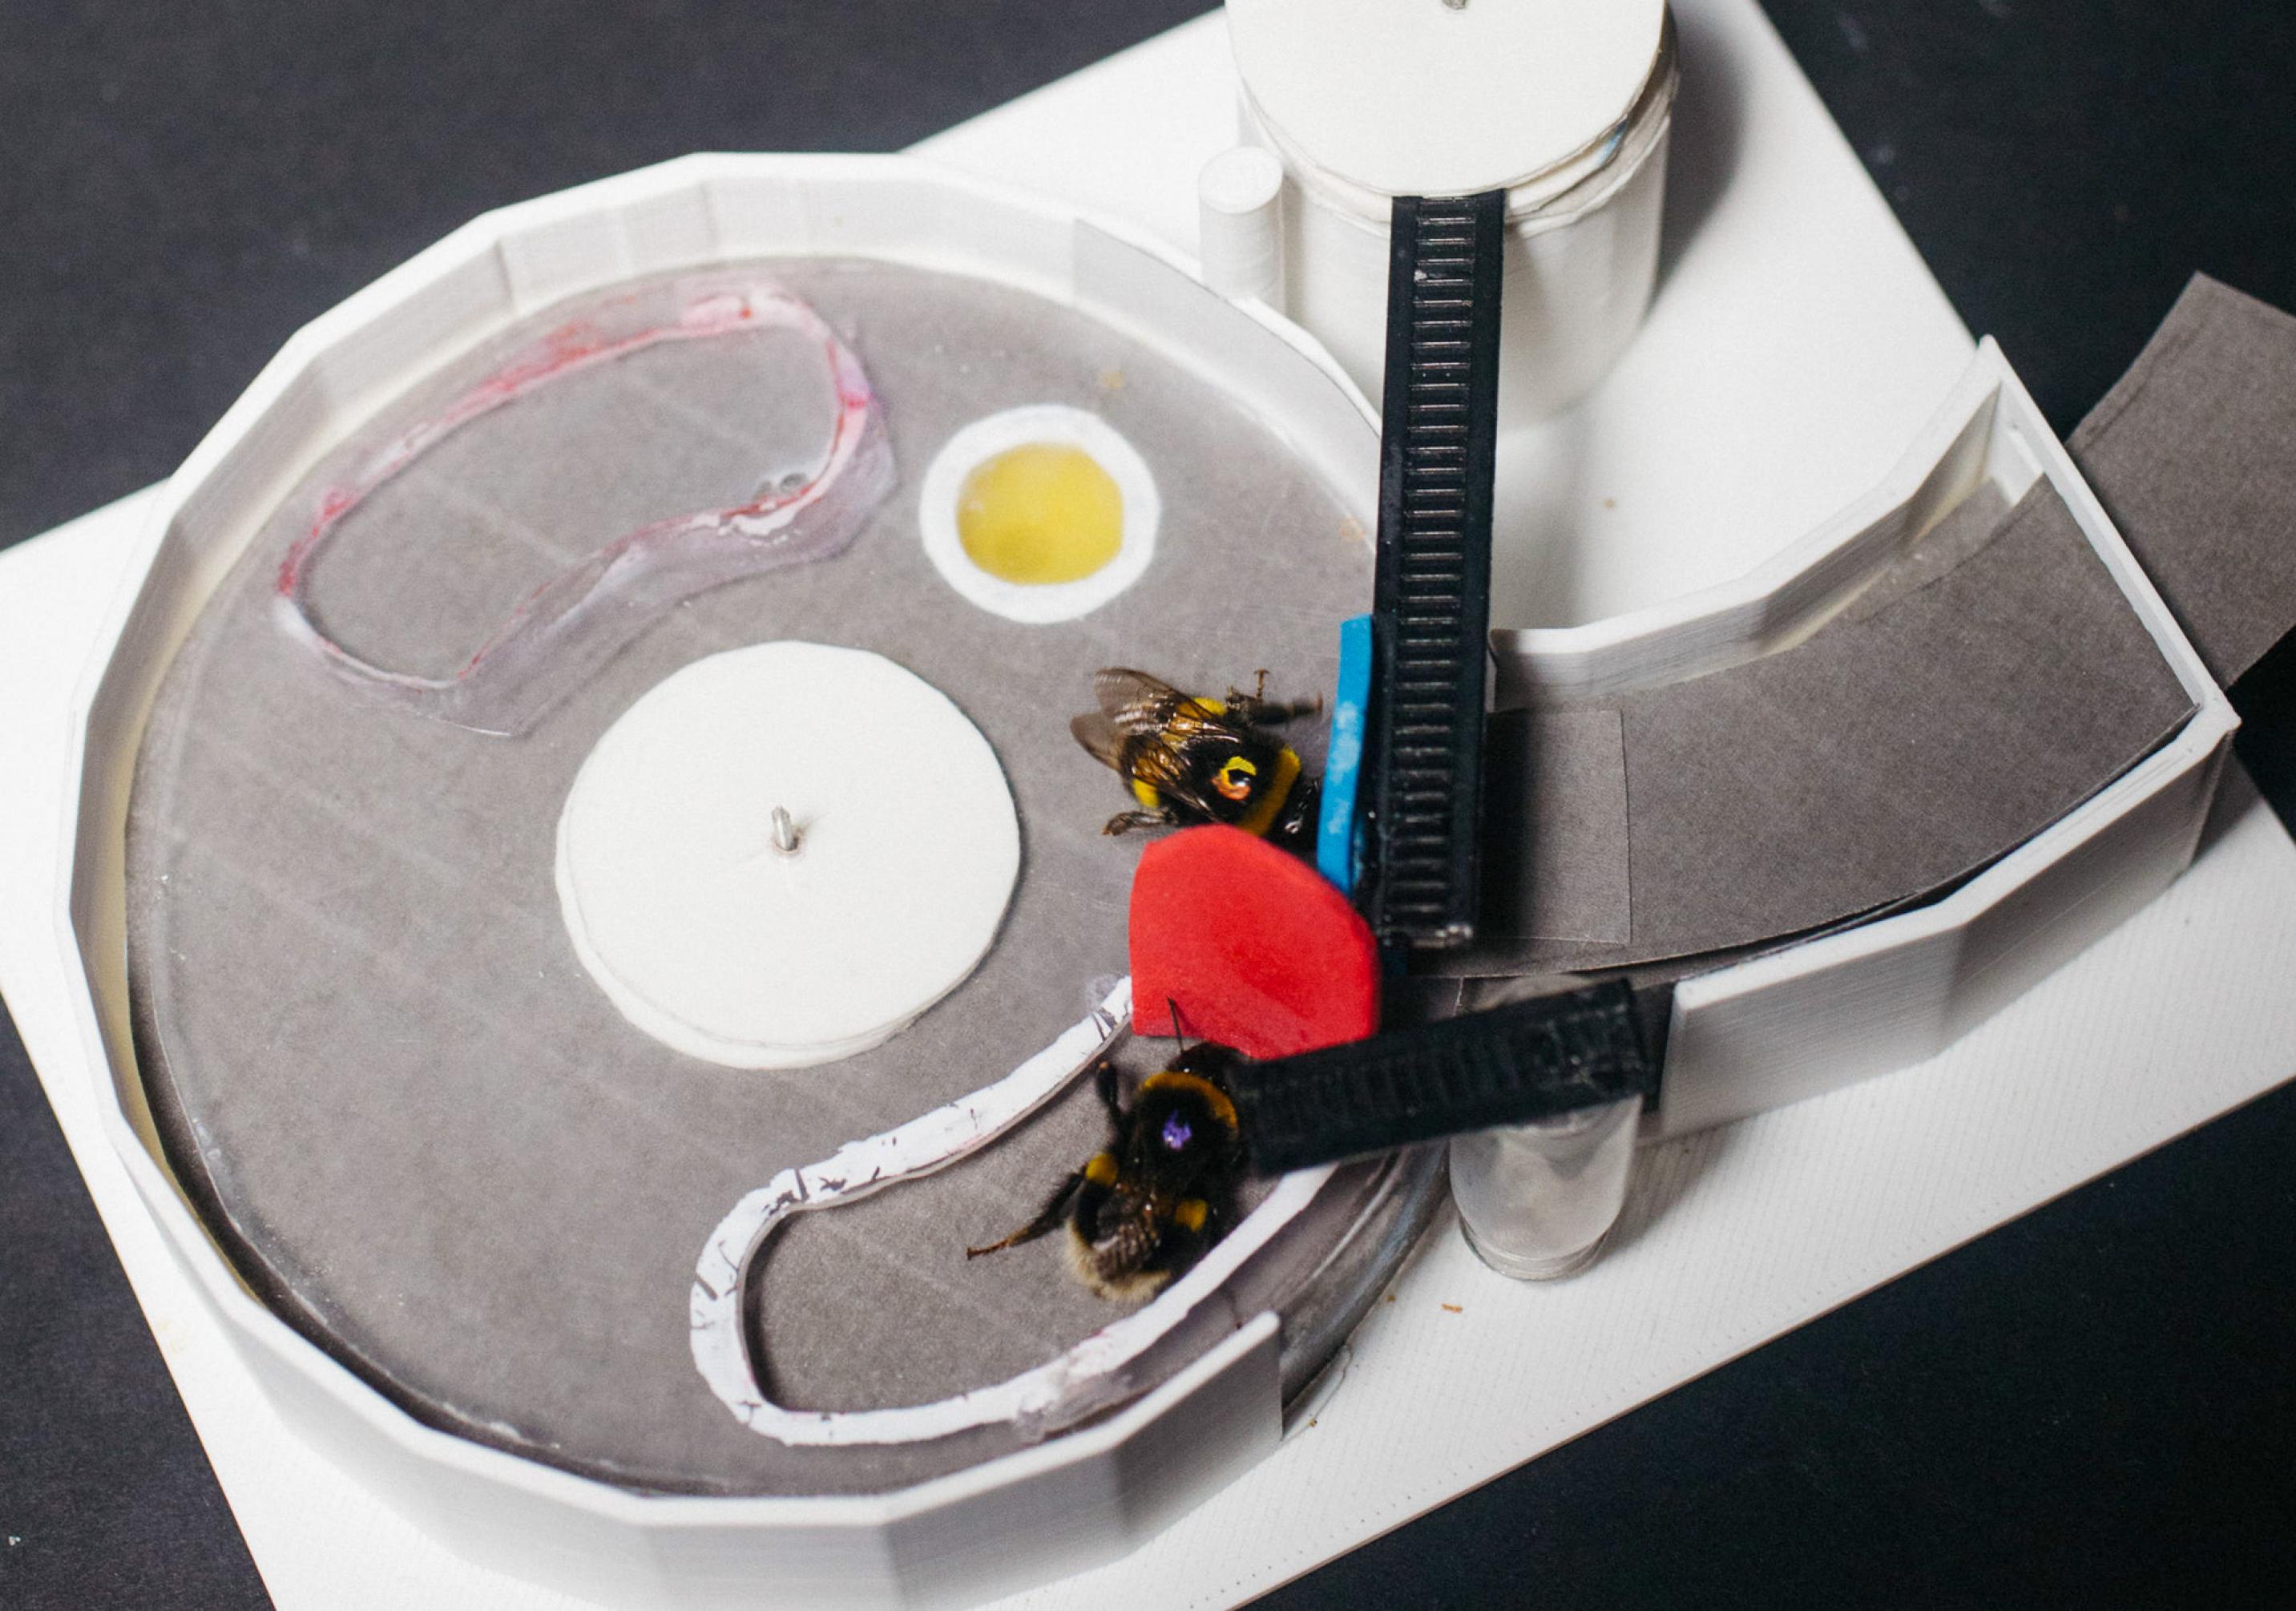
(1797, 344)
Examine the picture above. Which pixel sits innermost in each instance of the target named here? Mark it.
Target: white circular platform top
(1412, 97)
(723, 946)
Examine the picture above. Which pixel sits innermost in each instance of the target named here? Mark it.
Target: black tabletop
(2092, 1405)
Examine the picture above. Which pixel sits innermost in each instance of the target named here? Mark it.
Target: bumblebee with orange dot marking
(1190, 760)
(1144, 1209)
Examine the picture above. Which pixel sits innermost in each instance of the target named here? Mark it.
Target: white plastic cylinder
(1537, 1201)
(1581, 254)
(1575, 292)
(1240, 224)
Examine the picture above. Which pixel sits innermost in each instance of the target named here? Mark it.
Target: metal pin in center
(785, 834)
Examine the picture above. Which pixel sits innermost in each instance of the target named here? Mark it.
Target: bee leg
(1047, 1218)
(1252, 709)
(1105, 1082)
(1257, 711)
(1193, 1227)
(1196, 1223)
(1123, 822)
(1276, 714)
(1302, 813)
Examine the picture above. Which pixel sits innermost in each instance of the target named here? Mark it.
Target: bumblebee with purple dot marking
(1143, 1210)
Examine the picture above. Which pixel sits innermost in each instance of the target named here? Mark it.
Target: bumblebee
(1191, 759)
(1141, 1212)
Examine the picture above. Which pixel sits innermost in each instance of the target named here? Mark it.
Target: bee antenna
(1179, 1024)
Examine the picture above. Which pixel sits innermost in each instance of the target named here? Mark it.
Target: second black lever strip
(1431, 601)
(1512, 1064)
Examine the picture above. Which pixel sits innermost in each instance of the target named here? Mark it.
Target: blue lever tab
(1337, 847)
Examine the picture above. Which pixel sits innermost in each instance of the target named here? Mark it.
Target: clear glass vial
(1536, 1201)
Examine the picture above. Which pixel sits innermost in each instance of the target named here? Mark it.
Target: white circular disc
(1414, 97)
(719, 945)
(1034, 604)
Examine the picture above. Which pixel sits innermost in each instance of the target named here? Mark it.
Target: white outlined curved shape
(1085, 1379)
(1035, 605)
(575, 622)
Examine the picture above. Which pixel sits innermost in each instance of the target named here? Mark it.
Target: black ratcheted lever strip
(1432, 599)
(1511, 1065)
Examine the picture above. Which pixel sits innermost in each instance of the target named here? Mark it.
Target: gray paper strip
(2193, 455)
(1985, 685)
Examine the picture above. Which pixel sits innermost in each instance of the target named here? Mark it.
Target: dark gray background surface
(2090, 1406)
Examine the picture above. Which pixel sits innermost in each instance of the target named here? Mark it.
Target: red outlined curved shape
(572, 624)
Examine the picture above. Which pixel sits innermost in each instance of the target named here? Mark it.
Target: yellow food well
(1040, 514)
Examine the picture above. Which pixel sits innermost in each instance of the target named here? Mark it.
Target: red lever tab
(1256, 948)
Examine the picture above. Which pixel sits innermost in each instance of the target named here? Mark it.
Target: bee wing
(1158, 733)
(1135, 701)
(1149, 707)
(1100, 738)
(1145, 758)
(1156, 762)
